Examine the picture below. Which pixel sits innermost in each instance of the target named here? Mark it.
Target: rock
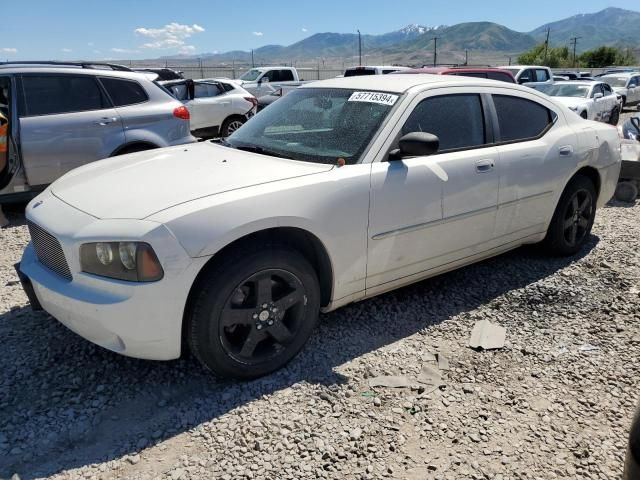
(133, 459)
(487, 336)
(391, 381)
(377, 402)
(430, 375)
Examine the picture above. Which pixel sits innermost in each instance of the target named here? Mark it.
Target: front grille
(49, 251)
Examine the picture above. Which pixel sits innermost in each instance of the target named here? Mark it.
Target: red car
(479, 72)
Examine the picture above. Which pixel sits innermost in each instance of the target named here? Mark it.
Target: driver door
(427, 212)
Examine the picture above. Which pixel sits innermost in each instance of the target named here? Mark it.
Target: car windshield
(316, 125)
(616, 81)
(251, 75)
(563, 90)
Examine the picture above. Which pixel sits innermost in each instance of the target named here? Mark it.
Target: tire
(231, 331)
(583, 115)
(231, 124)
(573, 218)
(624, 102)
(626, 192)
(615, 117)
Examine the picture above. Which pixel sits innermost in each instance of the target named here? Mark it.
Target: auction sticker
(374, 97)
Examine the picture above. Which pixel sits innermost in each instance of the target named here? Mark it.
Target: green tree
(606, 56)
(556, 57)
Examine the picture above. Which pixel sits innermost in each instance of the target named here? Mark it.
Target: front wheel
(615, 117)
(254, 312)
(573, 218)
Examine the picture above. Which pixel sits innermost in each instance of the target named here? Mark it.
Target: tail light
(181, 112)
(253, 100)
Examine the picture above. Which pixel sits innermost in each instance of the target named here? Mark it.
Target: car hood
(571, 101)
(138, 185)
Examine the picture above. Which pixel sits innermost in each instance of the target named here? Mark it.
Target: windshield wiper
(260, 150)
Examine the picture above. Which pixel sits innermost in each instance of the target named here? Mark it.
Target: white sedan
(218, 107)
(591, 100)
(341, 190)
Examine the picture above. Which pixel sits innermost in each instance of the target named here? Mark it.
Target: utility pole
(574, 40)
(435, 51)
(546, 45)
(466, 57)
(509, 61)
(252, 62)
(359, 48)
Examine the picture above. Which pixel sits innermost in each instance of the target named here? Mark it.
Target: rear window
(124, 92)
(358, 72)
(503, 77)
(521, 119)
(51, 94)
(470, 74)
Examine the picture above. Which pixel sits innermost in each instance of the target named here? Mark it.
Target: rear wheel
(231, 124)
(626, 192)
(254, 312)
(573, 218)
(615, 117)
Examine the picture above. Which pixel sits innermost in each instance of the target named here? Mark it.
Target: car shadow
(66, 403)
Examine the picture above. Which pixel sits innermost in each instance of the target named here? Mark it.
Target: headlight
(132, 261)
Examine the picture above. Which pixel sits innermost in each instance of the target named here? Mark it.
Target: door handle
(106, 121)
(566, 150)
(483, 166)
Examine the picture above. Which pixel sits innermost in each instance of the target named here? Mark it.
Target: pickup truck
(259, 81)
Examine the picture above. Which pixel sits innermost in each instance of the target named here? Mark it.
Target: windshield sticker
(373, 97)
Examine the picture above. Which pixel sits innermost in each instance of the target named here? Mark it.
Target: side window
(457, 120)
(384, 72)
(521, 119)
(272, 75)
(286, 76)
(542, 75)
(503, 77)
(206, 90)
(526, 77)
(606, 89)
(634, 82)
(124, 92)
(47, 95)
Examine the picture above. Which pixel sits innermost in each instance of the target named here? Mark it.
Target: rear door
(66, 121)
(210, 106)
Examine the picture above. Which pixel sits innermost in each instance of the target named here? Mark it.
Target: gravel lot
(555, 402)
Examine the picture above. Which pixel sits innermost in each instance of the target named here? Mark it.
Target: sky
(135, 29)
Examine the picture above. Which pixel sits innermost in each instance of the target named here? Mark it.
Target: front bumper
(142, 320)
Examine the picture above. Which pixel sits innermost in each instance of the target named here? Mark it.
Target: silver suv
(63, 116)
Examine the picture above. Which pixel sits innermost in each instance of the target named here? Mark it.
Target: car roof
(13, 69)
(522, 66)
(587, 83)
(621, 74)
(441, 70)
(402, 83)
(379, 66)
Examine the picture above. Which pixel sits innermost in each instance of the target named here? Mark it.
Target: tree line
(562, 57)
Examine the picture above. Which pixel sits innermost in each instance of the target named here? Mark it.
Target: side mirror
(597, 95)
(415, 144)
(635, 121)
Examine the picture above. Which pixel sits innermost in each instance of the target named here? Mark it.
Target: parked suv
(477, 72)
(625, 84)
(64, 116)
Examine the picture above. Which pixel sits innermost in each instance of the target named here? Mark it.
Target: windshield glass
(316, 125)
(251, 75)
(616, 81)
(562, 90)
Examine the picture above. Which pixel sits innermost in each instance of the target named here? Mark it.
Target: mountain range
(414, 43)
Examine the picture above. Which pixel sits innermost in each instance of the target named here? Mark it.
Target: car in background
(626, 84)
(610, 71)
(591, 100)
(558, 78)
(477, 72)
(62, 116)
(372, 70)
(218, 107)
(569, 75)
(164, 74)
(260, 80)
(340, 191)
(530, 75)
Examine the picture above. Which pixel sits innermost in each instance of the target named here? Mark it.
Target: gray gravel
(555, 402)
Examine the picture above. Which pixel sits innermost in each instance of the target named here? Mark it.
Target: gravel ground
(555, 402)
